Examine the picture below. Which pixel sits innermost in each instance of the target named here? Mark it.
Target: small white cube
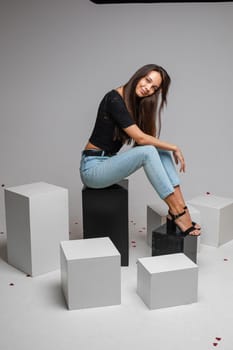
(90, 273)
(37, 219)
(216, 218)
(167, 280)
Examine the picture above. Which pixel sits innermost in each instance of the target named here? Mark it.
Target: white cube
(167, 280)
(36, 221)
(194, 213)
(216, 218)
(90, 273)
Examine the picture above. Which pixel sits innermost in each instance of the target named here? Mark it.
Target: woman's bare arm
(142, 138)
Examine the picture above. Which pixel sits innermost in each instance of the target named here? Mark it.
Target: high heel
(193, 223)
(172, 226)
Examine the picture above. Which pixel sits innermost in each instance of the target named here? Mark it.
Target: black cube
(105, 214)
(175, 242)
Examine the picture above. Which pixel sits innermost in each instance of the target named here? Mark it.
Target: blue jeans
(100, 172)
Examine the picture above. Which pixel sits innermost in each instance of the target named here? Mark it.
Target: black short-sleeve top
(112, 112)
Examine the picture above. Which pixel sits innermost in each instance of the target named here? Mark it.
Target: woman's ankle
(175, 206)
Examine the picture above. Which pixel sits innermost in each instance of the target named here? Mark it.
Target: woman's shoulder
(112, 93)
(112, 100)
(114, 96)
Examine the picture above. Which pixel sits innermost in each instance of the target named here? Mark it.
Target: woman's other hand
(179, 158)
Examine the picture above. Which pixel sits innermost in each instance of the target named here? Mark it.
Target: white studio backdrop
(58, 59)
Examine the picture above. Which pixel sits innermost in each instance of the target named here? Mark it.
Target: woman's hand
(179, 158)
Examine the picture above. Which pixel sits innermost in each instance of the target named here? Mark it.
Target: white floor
(33, 313)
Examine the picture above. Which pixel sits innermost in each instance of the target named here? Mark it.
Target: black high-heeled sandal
(193, 223)
(172, 226)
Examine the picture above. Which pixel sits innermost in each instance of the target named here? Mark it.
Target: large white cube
(216, 218)
(90, 273)
(36, 221)
(167, 280)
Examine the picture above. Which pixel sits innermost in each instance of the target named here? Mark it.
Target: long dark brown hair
(145, 111)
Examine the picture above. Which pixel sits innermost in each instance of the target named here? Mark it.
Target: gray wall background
(58, 58)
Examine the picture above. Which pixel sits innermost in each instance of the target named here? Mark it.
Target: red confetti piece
(218, 339)
(207, 192)
(215, 344)
(133, 241)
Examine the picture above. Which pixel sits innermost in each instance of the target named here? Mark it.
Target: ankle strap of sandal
(176, 216)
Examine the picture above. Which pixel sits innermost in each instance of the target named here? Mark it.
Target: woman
(132, 112)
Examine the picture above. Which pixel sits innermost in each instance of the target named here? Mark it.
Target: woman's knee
(147, 153)
(150, 151)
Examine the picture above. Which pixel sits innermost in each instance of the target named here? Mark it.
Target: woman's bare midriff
(89, 145)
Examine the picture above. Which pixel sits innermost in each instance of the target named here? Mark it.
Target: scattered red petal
(133, 241)
(215, 344)
(225, 259)
(218, 339)
(11, 284)
(207, 192)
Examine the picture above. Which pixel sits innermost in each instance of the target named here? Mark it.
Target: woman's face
(149, 84)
